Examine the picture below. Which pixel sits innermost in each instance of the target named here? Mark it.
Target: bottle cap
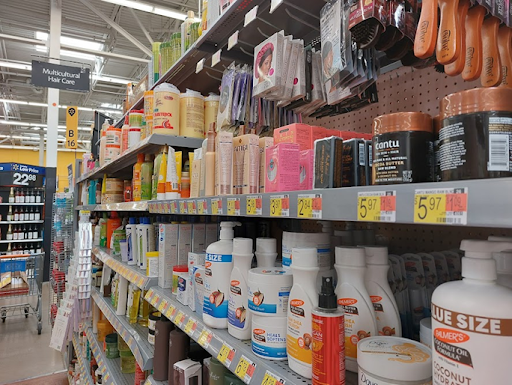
(242, 246)
(227, 229)
(327, 298)
(376, 255)
(478, 262)
(304, 257)
(266, 245)
(350, 256)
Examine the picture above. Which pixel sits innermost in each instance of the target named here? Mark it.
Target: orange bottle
(137, 178)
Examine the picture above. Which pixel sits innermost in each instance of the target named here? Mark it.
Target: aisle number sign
(441, 206)
(376, 206)
(280, 205)
(309, 206)
(72, 127)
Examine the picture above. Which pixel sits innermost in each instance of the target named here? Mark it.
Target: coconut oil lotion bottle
(218, 267)
(303, 299)
(352, 295)
(472, 321)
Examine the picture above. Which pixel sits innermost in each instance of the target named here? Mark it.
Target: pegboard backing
(404, 89)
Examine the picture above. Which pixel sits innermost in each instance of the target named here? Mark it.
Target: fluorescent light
(61, 139)
(132, 4)
(169, 13)
(145, 7)
(14, 123)
(13, 101)
(77, 55)
(109, 79)
(79, 43)
(37, 104)
(36, 125)
(19, 66)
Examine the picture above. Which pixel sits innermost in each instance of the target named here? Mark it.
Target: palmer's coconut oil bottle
(472, 322)
(218, 267)
(239, 317)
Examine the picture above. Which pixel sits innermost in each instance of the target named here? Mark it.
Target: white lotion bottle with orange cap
(360, 321)
(472, 321)
(303, 299)
(239, 316)
(217, 271)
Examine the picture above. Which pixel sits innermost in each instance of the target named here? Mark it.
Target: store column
(52, 131)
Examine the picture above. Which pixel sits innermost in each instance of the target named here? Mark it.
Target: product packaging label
(237, 312)
(299, 339)
(355, 330)
(260, 303)
(215, 301)
(470, 349)
(328, 349)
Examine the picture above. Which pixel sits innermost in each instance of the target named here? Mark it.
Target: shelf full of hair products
(351, 295)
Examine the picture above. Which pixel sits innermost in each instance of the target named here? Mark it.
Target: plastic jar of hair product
(268, 291)
(426, 332)
(166, 112)
(211, 109)
(402, 148)
(475, 136)
(393, 361)
(192, 114)
(269, 337)
(148, 111)
(111, 349)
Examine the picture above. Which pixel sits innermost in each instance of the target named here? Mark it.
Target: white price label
(233, 40)
(216, 57)
(200, 65)
(250, 16)
(274, 4)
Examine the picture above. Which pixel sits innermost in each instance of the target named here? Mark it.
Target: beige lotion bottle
(209, 182)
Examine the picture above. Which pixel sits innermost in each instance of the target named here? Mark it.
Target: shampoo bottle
(383, 299)
(146, 178)
(218, 266)
(161, 176)
(209, 173)
(352, 295)
(328, 336)
(239, 317)
(471, 318)
(131, 237)
(137, 178)
(303, 299)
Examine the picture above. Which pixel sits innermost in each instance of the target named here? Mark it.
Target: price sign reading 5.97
(441, 206)
(376, 206)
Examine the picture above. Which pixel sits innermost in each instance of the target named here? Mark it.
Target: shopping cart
(21, 277)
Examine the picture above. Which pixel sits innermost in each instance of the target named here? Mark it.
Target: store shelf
(135, 335)
(123, 164)
(485, 199)
(22, 240)
(21, 204)
(18, 222)
(85, 376)
(151, 381)
(213, 340)
(123, 206)
(110, 367)
(85, 207)
(131, 273)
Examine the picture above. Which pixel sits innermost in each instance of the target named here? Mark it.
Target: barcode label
(362, 155)
(499, 152)
(370, 155)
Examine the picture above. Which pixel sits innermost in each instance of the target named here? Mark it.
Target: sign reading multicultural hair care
(60, 76)
(71, 127)
(16, 174)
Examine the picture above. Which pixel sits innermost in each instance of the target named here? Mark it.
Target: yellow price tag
(201, 203)
(253, 205)
(179, 318)
(170, 312)
(226, 355)
(162, 306)
(216, 206)
(430, 208)
(271, 379)
(233, 206)
(280, 205)
(309, 206)
(154, 300)
(190, 327)
(183, 207)
(245, 369)
(204, 338)
(376, 206)
(191, 207)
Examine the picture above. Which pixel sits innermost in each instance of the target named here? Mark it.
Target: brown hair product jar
(475, 137)
(402, 148)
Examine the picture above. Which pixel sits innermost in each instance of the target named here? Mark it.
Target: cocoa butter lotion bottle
(218, 267)
(472, 321)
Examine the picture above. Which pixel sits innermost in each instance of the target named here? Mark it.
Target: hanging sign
(71, 127)
(16, 174)
(62, 77)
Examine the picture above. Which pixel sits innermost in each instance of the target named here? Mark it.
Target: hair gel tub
(269, 337)
(393, 361)
(269, 290)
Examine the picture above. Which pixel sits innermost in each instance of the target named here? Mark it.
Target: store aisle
(25, 354)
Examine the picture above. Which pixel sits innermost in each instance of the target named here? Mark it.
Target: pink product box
(282, 167)
(318, 132)
(294, 133)
(307, 163)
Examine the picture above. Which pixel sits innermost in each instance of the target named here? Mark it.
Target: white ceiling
(24, 18)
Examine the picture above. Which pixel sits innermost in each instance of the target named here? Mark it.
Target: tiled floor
(23, 353)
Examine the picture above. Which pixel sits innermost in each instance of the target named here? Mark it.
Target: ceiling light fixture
(36, 125)
(19, 66)
(145, 7)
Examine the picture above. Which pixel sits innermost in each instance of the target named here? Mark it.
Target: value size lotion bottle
(472, 321)
(352, 295)
(377, 284)
(239, 317)
(303, 299)
(218, 267)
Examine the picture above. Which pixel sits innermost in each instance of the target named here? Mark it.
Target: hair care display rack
(488, 211)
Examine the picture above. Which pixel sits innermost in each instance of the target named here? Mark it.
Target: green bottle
(156, 169)
(146, 177)
(103, 230)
